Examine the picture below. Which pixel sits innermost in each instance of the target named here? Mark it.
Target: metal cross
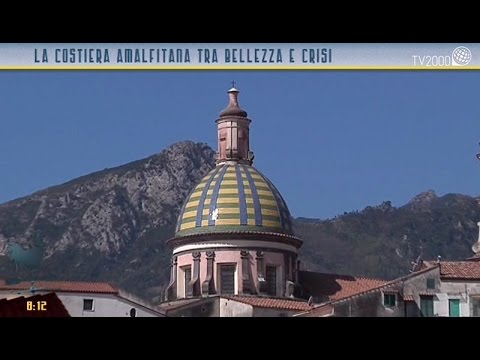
(233, 83)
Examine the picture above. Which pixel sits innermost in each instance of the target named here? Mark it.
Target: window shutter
(227, 279)
(271, 277)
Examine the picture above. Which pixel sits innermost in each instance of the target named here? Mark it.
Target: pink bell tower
(234, 132)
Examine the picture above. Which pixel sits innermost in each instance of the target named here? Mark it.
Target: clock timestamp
(36, 306)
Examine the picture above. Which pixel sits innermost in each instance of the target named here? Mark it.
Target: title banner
(240, 56)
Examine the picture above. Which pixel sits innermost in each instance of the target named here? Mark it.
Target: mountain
(112, 225)
(109, 225)
(383, 241)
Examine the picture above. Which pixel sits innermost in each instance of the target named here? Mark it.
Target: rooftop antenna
(417, 263)
(33, 289)
(476, 245)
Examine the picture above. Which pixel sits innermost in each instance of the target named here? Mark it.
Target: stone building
(441, 288)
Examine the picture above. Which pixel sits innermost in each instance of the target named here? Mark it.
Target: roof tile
(324, 310)
(271, 303)
(63, 286)
(332, 287)
(460, 270)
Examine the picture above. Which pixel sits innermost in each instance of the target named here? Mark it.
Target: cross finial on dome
(234, 89)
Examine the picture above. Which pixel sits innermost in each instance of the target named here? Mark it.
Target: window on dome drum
(187, 273)
(426, 306)
(88, 305)
(227, 279)
(271, 277)
(431, 283)
(389, 300)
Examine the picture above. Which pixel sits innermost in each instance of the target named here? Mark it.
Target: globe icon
(461, 55)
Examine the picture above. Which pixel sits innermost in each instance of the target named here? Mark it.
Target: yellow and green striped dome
(234, 197)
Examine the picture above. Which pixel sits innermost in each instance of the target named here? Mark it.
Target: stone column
(208, 285)
(287, 259)
(246, 272)
(171, 291)
(297, 271)
(194, 286)
(262, 282)
(288, 271)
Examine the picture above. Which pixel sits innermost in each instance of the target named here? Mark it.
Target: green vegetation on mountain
(112, 226)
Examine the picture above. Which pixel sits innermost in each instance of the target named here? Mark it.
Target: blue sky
(330, 141)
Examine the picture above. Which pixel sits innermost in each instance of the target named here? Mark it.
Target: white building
(84, 299)
(437, 289)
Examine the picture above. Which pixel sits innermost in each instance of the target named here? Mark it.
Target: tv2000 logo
(461, 56)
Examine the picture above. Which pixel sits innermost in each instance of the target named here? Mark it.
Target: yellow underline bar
(227, 67)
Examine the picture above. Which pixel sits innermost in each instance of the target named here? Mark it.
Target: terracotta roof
(384, 286)
(177, 304)
(17, 307)
(460, 270)
(63, 286)
(408, 298)
(329, 287)
(271, 303)
(321, 311)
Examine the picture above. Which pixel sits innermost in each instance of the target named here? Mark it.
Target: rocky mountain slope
(112, 225)
(109, 225)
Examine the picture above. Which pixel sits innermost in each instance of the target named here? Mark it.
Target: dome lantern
(234, 132)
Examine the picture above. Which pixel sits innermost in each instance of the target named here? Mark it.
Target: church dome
(234, 197)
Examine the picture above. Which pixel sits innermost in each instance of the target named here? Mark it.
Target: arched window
(133, 312)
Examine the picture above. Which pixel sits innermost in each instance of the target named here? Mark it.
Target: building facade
(438, 289)
(81, 299)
